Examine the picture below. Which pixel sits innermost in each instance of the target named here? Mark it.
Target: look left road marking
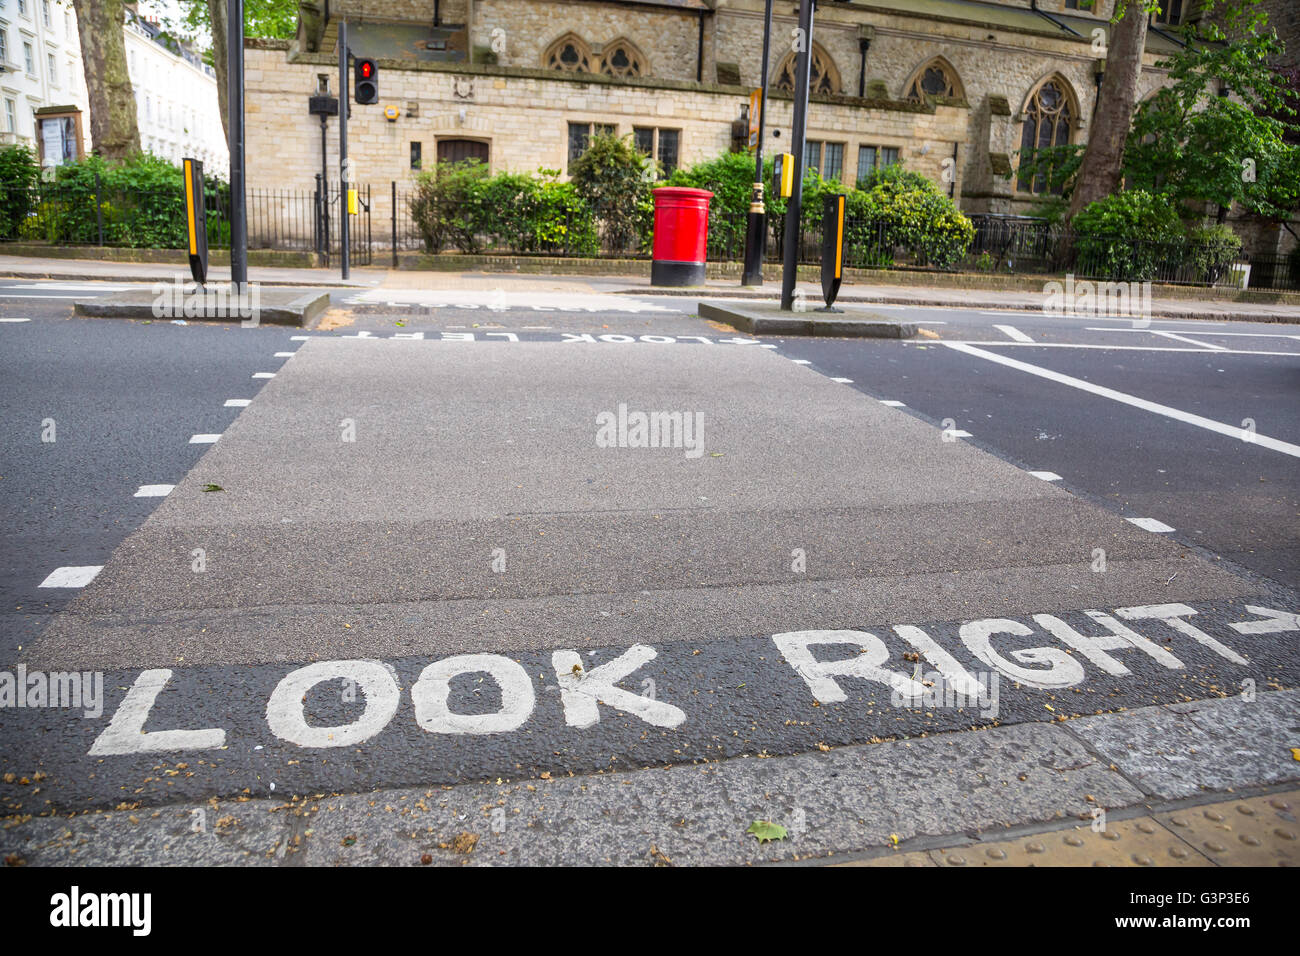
(125, 733)
(71, 577)
(1232, 431)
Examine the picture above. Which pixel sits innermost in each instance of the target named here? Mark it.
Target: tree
(113, 125)
(1100, 171)
(262, 18)
(1224, 130)
(615, 179)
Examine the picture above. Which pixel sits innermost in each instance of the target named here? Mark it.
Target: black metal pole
(756, 228)
(794, 209)
(394, 185)
(235, 107)
(345, 104)
(99, 209)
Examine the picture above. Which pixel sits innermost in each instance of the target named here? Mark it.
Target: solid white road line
(1249, 335)
(203, 439)
(238, 402)
(21, 295)
(892, 403)
(1011, 332)
(1120, 348)
(1232, 431)
(1150, 524)
(71, 577)
(154, 491)
(263, 375)
(1046, 475)
(1182, 338)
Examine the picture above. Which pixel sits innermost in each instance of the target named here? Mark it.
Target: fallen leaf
(766, 831)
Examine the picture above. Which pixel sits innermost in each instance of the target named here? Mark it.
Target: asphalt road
(371, 560)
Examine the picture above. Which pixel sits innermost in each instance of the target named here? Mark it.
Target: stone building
(952, 88)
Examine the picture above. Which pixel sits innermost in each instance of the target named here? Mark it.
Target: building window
(462, 150)
(22, 7)
(45, 13)
(621, 58)
(871, 158)
(11, 116)
(580, 136)
(416, 160)
(53, 70)
(569, 54)
(1170, 13)
(826, 158)
(937, 79)
(824, 79)
(662, 144)
(1048, 118)
(29, 59)
(4, 46)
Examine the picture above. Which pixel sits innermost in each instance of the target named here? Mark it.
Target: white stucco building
(176, 99)
(43, 100)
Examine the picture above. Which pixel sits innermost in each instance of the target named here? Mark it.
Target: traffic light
(367, 82)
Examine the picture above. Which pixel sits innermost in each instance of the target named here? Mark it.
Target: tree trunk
(1099, 175)
(113, 125)
(217, 11)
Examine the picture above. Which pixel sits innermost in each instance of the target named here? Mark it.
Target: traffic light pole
(793, 212)
(345, 102)
(756, 233)
(235, 121)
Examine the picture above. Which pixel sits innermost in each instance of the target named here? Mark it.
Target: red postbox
(681, 236)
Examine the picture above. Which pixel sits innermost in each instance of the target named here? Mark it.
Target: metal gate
(329, 206)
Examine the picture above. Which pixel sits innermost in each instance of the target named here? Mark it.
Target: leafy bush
(446, 205)
(1213, 251)
(18, 174)
(905, 210)
(1127, 235)
(615, 180)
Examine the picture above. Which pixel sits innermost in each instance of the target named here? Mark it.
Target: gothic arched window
(568, 53)
(824, 79)
(1049, 120)
(622, 58)
(937, 78)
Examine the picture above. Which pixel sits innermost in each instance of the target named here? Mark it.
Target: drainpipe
(699, 57)
(864, 45)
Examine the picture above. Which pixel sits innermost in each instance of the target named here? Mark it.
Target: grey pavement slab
(945, 790)
(1212, 744)
(268, 305)
(767, 318)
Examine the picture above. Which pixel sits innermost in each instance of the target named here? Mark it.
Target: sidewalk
(382, 278)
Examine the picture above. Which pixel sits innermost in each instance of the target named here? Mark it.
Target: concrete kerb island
(276, 305)
(767, 318)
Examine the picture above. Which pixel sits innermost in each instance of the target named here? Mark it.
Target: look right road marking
(1232, 431)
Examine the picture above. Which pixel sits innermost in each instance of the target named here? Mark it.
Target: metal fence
(83, 210)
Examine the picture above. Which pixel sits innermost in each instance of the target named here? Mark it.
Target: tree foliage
(615, 181)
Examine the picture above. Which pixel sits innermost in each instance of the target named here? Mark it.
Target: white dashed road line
(238, 402)
(15, 320)
(1011, 332)
(843, 381)
(203, 439)
(1150, 524)
(1046, 475)
(893, 403)
(154, 491)
(263, 375)
(71, 577)
(956, 433)
(1182, 338)
(1232, 431)
(284, 355)
(801, 361)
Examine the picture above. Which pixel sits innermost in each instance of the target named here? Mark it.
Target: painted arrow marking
(1274, 621)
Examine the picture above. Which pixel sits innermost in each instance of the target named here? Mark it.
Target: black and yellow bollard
(196, 220)
(832, 249)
